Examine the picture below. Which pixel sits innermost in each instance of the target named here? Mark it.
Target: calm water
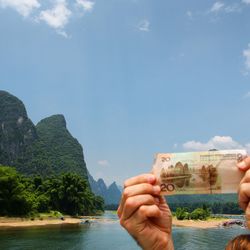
(108, 235)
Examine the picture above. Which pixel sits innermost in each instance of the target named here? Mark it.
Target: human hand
(244, 189)
(145, 214)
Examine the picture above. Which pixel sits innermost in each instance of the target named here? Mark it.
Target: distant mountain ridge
(111, 194)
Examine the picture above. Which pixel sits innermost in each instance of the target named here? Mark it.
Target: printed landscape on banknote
(211, 172)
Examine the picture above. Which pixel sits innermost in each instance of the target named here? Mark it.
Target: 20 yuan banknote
(211, 172)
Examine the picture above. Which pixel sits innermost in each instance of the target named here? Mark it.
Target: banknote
(211, 172)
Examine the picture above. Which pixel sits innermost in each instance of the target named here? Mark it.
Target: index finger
(144, 178)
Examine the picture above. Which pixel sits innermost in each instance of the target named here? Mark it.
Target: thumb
(244, 165)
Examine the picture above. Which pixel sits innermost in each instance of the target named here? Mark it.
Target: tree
(14, 199)
(73, 194)
(182, 213)
(199, 214)
(99, 203)
(68, 193)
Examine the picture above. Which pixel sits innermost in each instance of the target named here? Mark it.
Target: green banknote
(211, 172)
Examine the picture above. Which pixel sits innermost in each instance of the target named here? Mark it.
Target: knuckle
(126, 193)
(151, 199)
(130, 203)
(142, 210)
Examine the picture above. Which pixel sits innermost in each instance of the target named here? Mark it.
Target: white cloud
(246, 55)
(144, 25)
(217, 6)
(23, 7)
(232, 8)
(85, 4)
(58, 16)
(246, 1)
(62, 33)
(221, 7)
(217, 142)
(103, 162)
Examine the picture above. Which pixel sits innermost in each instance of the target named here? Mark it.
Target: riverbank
(210, 223)
(6, 222)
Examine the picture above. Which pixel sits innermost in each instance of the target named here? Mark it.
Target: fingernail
(156, 189)
(242, 165)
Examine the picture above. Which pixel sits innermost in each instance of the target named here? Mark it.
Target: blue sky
(132, 77)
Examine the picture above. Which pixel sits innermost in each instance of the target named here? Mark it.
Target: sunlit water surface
(107, 233)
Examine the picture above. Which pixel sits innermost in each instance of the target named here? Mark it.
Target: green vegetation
(67, 193)
(222, 207)
(182, 214)
(197, 214)
(202, 198)
(16, 129)
(215, 207)
(45, 149)
(55, 151)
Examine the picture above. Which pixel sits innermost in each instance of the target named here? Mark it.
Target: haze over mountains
(110, 194)
(45, 149)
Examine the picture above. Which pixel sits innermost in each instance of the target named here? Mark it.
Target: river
(106, 233)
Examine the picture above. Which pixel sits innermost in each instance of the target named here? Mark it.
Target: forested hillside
(17, 131)
(55, 151)
(45, 149)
